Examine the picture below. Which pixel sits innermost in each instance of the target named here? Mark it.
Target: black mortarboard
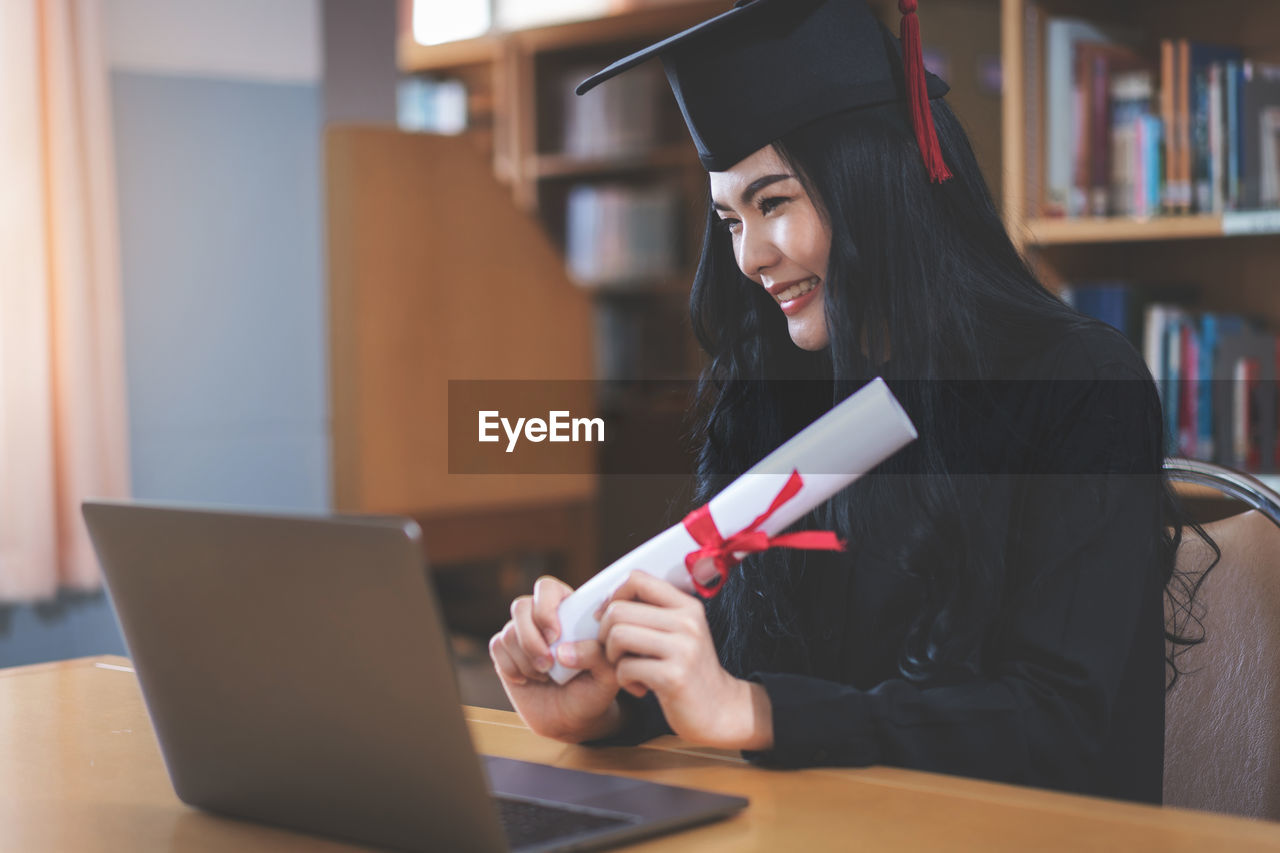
(766, 67)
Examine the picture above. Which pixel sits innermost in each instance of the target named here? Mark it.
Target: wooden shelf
(1058, 232)
(675, 284)
(568, 166)
(1055, 232)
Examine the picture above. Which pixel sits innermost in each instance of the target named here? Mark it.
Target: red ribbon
(723, 552)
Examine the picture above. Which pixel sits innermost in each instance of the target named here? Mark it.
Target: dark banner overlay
(569, 427)
(510, 427)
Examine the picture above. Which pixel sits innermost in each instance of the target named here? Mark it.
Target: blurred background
(248, 244)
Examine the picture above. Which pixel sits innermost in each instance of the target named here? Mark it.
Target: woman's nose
(756, 252)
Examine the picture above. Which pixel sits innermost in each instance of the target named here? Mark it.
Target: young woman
(998, 612)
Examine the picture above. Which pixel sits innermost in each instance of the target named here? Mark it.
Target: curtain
(63, 434)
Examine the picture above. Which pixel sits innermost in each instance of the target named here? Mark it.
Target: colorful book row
(1121, 126)
(1216, 374)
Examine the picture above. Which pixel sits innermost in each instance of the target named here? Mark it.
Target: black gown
(1067, 691)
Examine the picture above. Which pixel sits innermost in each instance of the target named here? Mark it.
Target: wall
(217, 113)
(360, 71)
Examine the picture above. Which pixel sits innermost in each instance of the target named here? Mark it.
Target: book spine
(1154, 160)
(1081, 154)
(1173, 382)
(1168, 115)
(1153, 342)
(1217, 163)
(1233, 135)
(1182, 71)
(1100, 136)
(1189, 393)
(1200, 189)
(1204, 406)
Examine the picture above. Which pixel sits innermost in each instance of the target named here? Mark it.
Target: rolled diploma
(835, 450)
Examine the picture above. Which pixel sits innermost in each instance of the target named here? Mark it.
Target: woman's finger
(644, 587)
(511, 642)
(635, 613)
(532, 643)
(503, 663)
(548, 592)
(588, 655)
(625, 640)
(644, 673)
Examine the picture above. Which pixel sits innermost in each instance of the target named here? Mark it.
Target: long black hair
(923, 283)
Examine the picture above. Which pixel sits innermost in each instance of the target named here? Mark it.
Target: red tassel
(918, 94)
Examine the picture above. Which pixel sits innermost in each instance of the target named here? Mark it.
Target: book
(1131, 94)
(1188, 389)
(1175, 319)
(1244, 370)
(1095, 63)
(1232, 134)
(1259, 98)
(1169, 117)
(1150, 188)
(1217, 184)
(1219, 348)
(1110, 302)
(1061, 35)
(1204, 405)
(1153, 343)
(1269, 155)
(618, 235)
(1182, 118)
(619, 120)
(1246, 375)
(1199, 156)
(424, 105)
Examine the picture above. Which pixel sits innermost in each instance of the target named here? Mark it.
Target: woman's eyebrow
(752, 188)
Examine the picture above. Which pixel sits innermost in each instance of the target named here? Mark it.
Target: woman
(999, 610)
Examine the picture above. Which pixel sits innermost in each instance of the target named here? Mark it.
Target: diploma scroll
(832, 452)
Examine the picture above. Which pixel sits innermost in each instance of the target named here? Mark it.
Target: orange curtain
(63, 434)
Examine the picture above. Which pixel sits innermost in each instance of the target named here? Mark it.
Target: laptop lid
(296, 672)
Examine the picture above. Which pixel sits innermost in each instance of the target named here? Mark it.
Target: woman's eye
(731, 225)
(768, 205)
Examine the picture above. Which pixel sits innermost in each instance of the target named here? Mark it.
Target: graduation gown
(1067, 688)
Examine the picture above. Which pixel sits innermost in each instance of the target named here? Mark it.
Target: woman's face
(779, 239)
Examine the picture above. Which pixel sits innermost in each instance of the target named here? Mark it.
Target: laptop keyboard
(526, 822)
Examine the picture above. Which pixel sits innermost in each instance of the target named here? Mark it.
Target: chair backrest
(1222, 717)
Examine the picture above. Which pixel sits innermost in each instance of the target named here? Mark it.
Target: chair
(1222, 717)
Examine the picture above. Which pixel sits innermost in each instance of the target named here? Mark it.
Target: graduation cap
(766, 67)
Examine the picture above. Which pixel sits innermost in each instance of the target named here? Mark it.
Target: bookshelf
(519, 108)
(1220, 261)
(1214, 258)
(519, 88)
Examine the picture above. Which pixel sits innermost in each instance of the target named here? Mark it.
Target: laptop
(297, 673)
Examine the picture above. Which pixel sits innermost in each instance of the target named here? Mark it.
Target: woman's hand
(659, 640)
(584, 708)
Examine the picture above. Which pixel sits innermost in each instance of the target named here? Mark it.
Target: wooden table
(80, 770)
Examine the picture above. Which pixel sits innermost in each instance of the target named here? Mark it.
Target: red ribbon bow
(723, 552)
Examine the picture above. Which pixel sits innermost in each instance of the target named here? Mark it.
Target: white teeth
(795, 291)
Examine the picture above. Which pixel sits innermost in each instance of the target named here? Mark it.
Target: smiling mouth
(795, 291)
